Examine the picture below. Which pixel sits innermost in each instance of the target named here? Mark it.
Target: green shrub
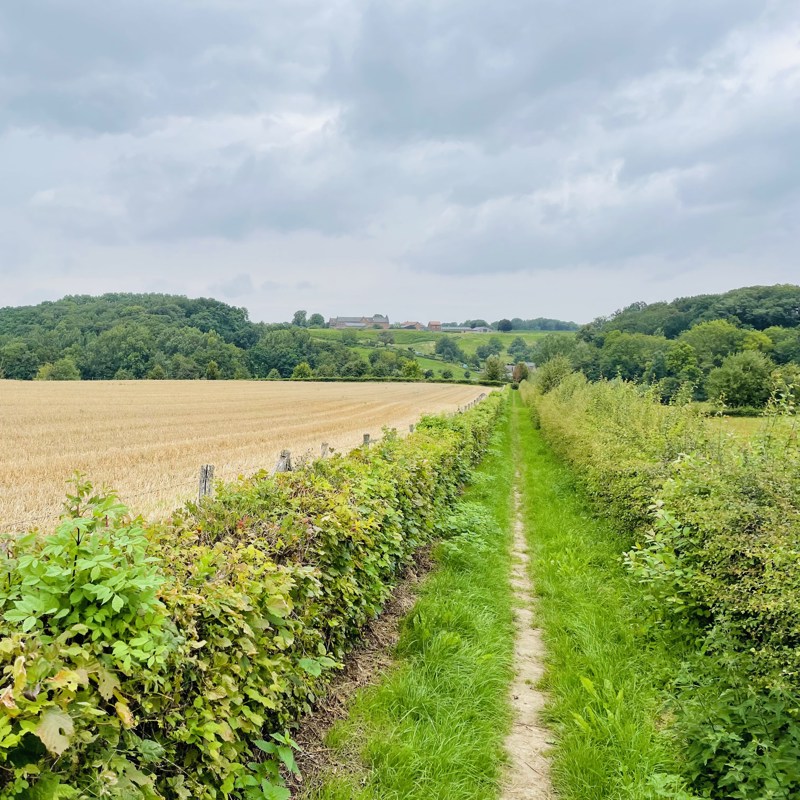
(715, 522)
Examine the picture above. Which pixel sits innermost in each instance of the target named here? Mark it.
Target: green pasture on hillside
(424, 363)
(425, 341)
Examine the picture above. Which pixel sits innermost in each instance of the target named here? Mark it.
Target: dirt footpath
(529, 772)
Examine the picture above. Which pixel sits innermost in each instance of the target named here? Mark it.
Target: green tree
(183, 368)
(492, 347)
(126, 348)
(316, 321)
(743, 379)
(628, 354)
(212, 371)
(411, 370)
(302, 371)
(520, 372)
(494, 369)
(757, 340)
(299, 319)
(785, 344)
(157, 373)
(386, 338)
(504, 325)
(447, 348)
(273, 375)
(349, 337)
(519, 350)
(447, 374)
(64, 369)
(18, 361)
(550, 346)
(551, 373)
(713, 341)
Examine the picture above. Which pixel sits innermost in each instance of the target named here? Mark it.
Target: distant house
(529, 364)
(435, 326)
(375, 321)
(412, 326)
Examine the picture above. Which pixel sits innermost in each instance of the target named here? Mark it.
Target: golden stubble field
(148, 439)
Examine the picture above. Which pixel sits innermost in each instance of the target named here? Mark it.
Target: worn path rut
(528, 776)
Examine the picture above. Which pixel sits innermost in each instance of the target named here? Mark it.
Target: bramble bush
(712, 527)
(146, 661)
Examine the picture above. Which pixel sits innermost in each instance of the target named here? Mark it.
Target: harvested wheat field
(147, 439)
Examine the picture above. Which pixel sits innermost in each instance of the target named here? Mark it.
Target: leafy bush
(168, 661)
(715, 521)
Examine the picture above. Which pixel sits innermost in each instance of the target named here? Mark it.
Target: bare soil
(528, 776)
(364, 666)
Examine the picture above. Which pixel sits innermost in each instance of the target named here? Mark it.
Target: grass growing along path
(603, 675)
(435, 726)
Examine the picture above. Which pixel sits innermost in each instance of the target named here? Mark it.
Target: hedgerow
(712, 528)
(171, 660)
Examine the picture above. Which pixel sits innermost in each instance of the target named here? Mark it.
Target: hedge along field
(711, 524)
(171, 660)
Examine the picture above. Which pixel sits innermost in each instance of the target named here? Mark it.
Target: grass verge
(434, 726)
(604, 672)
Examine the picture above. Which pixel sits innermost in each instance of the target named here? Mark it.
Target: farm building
(375, 321)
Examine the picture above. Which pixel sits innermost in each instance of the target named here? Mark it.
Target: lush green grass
(425, 341)
(434, 727)
(603, 674)
(424, 363)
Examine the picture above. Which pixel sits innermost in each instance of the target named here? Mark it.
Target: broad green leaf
(311, 666)
(55, 729)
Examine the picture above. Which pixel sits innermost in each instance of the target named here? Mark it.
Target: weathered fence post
(366, 440)
(411, 428)
(324, 449)
(206, 487)
(284, 462)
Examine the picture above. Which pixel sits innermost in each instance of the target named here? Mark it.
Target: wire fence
(204, 485)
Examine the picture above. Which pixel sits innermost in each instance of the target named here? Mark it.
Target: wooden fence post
(325, 449)
(411, 428)
(206, 487)
(284, 462)
(366, 440)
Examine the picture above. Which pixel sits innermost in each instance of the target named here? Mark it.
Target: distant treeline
(516, 324)
(757, 307)
(735, 347)
(130, 336)
(156, 336)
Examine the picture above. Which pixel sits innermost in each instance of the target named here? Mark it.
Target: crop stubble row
(147, 439)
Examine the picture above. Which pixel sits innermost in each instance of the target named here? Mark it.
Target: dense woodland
(734, 347)
(134, 336)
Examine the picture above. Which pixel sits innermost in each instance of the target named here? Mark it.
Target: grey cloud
(240, 285)
(107, 67)
(451, 136)
(516, 69)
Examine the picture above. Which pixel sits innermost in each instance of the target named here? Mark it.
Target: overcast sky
(427, 159)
